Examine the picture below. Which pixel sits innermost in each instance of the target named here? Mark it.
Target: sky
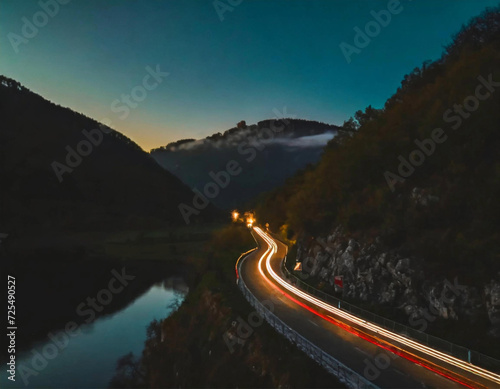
(227, 60)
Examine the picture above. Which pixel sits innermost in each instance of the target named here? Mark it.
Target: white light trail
(273, 248)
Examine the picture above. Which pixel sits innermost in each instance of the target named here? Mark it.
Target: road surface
(387, 359)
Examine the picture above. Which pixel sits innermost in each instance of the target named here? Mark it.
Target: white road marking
(362, 351)
(316, 324)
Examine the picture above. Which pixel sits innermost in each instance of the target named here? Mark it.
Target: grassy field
(168, 244)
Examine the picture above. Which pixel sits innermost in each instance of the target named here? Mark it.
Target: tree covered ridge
(23, 92)
(283, 127)
(115, 185)
(447, 210)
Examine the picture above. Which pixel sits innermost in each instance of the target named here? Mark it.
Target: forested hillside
(62, 170)
(267, 153)
(423, 172)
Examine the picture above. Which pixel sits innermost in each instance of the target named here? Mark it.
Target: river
(89, 359)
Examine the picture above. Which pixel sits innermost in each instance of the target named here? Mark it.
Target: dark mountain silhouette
(266, 153)
(115, 184)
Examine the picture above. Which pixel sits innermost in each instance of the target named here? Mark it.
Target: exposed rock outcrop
(377, 276)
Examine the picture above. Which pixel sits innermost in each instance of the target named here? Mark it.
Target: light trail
(272, 249)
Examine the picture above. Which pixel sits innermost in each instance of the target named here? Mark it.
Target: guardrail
(347, 376)
(463, 353)
(239, 259)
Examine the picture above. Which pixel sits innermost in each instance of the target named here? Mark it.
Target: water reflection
(89, 359)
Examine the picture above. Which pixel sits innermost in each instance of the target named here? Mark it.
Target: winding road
(387, 359)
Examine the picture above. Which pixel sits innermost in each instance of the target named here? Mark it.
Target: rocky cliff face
(374, 275)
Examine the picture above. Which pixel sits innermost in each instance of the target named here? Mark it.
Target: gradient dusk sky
(264, 55)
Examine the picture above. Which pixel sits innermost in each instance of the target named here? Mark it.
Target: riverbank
(204, 344)
(66, 278)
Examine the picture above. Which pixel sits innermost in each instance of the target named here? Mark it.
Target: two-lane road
(402, 363)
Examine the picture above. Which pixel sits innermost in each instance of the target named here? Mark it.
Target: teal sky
(264, 55)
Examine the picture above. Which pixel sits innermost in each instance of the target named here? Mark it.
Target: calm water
(89, 360)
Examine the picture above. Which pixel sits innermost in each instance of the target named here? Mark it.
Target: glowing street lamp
(235, 215)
